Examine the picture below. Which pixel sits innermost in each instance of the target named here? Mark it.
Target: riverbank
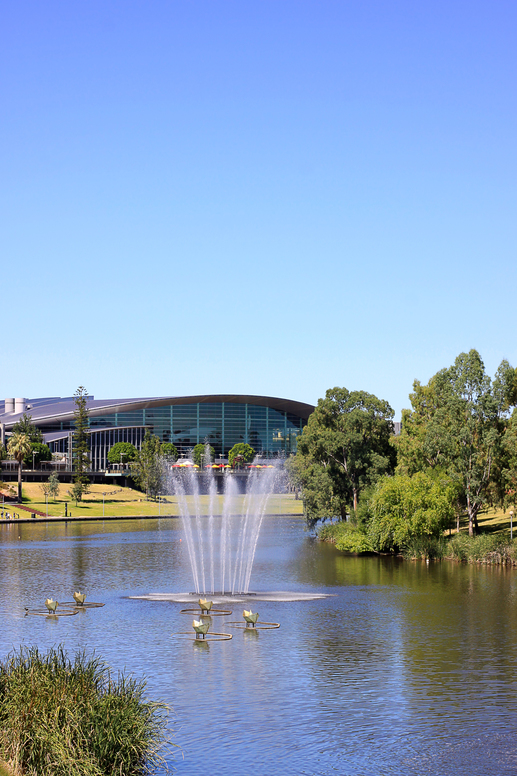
(493, 546)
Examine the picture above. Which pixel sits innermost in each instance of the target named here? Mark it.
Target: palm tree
(19, 446)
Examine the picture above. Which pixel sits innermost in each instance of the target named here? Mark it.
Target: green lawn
(127, 502)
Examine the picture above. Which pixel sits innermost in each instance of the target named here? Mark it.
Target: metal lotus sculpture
(51, 605)
(205, 605)
(201, 628)
(250, 618)
(79, 598)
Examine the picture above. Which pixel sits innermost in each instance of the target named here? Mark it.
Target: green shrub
(426, 547)
(65, 717)
(485, 548)
(346, 536)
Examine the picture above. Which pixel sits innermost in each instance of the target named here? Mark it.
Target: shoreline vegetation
(492, 546)
(65, 715)
(399, 489)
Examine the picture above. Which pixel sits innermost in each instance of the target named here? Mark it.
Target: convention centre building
(270, 425)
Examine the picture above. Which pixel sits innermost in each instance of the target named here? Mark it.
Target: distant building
(270, 425)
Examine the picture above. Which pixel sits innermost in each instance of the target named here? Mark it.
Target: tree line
(455, 455)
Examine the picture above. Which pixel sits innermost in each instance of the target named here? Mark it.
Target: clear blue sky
(269, 197)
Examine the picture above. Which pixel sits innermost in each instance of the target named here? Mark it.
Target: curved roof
(52, 410)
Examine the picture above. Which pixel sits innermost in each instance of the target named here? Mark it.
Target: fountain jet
(222, 546)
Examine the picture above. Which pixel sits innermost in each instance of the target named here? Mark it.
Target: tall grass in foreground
(63, 717)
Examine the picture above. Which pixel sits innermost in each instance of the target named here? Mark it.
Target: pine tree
(80, 450)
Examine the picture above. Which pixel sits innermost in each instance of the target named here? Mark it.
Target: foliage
(122, 452)
(26, 426)
(405, 507)
(241, 453)
(320, 501)
(19, 446)
(148, 469)
(42, 454)
(169, 452)
(65, 716)
(426, 548)
(3, 453)
(344, 447)
(456, 424)
(509, 464)
(486, 548)
(80, 451)
(50, 488)
(346, 536)
(202, 455)
(77, 491)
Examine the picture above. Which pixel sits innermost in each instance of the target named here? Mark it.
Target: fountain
(222, 541)
(222, 548)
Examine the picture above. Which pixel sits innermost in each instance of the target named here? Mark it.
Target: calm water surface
(407, 669)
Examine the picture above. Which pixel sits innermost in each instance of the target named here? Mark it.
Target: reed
(493, 549)
(62, 716)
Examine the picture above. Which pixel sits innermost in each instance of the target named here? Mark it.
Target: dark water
(407, 669)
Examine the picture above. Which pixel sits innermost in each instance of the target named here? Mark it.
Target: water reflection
(407, 668)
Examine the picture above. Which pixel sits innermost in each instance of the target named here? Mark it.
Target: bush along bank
(492, 549)
(71, 717)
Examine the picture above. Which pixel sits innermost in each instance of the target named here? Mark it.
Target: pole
(511, 525)
(103, 504)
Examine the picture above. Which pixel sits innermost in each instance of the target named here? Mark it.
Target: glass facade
(269, 431)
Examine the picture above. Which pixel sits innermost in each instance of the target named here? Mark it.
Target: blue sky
(255, 197)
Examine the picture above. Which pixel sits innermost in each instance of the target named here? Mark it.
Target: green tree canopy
(42, 453)
(122, 452)
(19, 446)
(344, 447)
(241, 453)
(457, 425)
(148, 469)
(203, 454)
(81, 445)
(51, 486)
(405, 507)
(26, 426)
(169, 451)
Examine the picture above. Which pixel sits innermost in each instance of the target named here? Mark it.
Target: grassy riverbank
(61, 716)
(492, 546)
(128, 502)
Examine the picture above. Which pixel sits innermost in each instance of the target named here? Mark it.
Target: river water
(405, 668)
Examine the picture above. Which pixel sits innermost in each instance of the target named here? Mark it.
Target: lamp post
(33, 456)
(511, 524)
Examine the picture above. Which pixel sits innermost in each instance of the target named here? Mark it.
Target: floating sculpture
(206, 610)
(250, 618)
(251, 622)
(64, 611)
(201, 628)
(201, 631)
(50, 610)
